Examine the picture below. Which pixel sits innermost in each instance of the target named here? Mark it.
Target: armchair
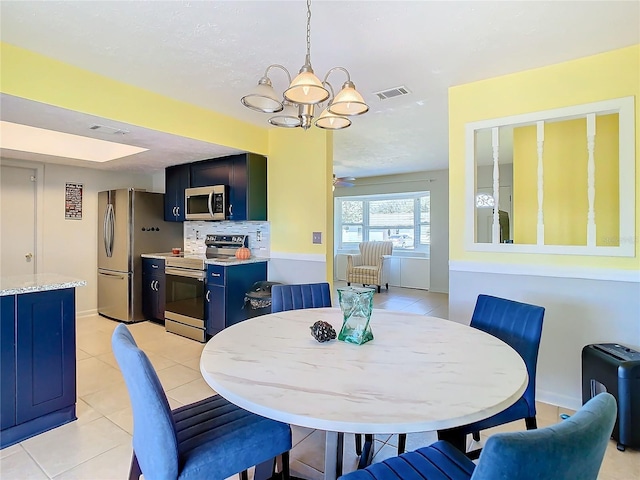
(369, 267)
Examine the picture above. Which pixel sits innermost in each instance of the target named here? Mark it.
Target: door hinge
(33, 178)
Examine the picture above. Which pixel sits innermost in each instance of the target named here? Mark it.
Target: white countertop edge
(208, 261)
(39, 282)
(212, 261)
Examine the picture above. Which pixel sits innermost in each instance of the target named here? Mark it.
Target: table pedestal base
(333, 452)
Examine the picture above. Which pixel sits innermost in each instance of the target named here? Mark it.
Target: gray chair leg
(134, 470)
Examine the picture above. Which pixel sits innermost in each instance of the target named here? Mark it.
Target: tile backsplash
(259, 235)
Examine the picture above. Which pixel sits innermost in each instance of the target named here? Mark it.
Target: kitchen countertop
(207, 261)
(39, 282)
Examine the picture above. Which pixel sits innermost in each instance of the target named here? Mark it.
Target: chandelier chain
(305, 93)
(308, 28)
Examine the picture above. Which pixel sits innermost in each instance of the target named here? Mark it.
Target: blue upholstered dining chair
(570, 450)
(298, 296)
(520, 326)
(210, 439)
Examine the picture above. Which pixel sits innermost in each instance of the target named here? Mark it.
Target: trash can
(615, 368)
(257, 300)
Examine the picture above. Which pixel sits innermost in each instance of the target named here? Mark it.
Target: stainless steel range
(223, 247)
(185, 275)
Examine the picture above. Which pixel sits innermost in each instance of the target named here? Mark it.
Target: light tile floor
(98, 444)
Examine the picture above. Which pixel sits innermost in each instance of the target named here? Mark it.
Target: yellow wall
(301, 200)
(35, 77)
(609, 75)
(300, 163)
(565, 182)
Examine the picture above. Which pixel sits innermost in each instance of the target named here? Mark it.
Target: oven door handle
(182, 272)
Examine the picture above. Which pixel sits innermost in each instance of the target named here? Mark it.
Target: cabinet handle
(207, 296)
(215, 274)
(156, 286)
(154, 266)
(178, 210)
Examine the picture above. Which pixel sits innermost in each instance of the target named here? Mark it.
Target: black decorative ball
(322, 331)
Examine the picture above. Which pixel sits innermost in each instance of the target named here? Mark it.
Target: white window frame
(625, 109)
(420, 248)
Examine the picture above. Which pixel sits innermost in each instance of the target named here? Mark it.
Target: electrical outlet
(317, 237)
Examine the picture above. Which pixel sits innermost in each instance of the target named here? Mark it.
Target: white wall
(578, 311)
(70, 246)
(435, 182)
(297, 268)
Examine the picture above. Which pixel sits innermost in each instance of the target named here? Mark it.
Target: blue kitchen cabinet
(153, 289)
(7, 362)
(246, 175)
(248, 187)
(226, 288)
(177, 180)
(38, 363)
(210, 172)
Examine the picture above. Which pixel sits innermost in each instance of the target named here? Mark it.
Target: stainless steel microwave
(207, 203)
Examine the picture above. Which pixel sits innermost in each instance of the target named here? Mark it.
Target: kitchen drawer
(216, 274)
(152, 266)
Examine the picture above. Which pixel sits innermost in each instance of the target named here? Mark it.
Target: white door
(17, 220)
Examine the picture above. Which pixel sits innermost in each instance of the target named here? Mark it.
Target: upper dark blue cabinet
(246, 175)
(210, 172)
(248, 187)
(177, 179)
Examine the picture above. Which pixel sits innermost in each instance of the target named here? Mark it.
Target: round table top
(418, 374)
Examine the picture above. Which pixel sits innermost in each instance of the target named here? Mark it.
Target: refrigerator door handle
(108, 230)
(113, 275)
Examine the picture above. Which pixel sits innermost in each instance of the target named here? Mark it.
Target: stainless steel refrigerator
(130, 223)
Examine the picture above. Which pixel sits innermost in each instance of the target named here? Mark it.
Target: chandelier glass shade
(288, 117)
(296, 106)
(331, 121)
(263, 98)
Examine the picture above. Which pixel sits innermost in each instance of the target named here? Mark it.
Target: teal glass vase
(356, 304)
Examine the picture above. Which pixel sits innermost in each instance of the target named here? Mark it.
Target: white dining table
(419, 373)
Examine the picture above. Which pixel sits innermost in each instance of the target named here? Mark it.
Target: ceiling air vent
(105, 129)
(392, 92)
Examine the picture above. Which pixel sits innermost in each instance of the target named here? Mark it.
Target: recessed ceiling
(212, 53)
(160, 149)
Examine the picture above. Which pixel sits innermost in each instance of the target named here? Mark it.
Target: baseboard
(558, 400)
(87, 313)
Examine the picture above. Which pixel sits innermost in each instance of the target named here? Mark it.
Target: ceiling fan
(343, 181)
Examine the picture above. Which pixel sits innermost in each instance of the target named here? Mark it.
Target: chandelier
(296, 106)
